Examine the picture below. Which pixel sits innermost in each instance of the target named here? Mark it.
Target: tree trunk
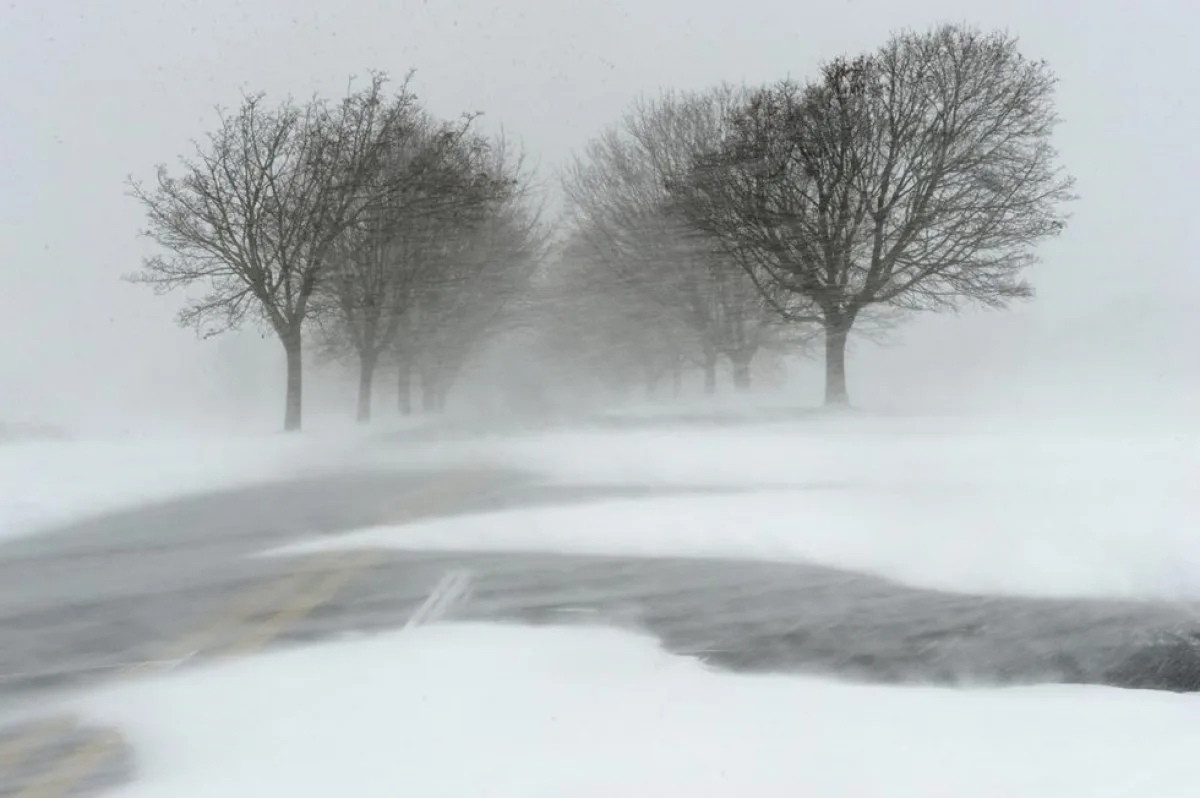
(836, 333)
(677, 376)
(404, 386)
(740, 360)
(444, 383)
(741, 374)
(649, 380)
(652, 378)
(366, 378)
(429, 392)
(710, 372)
(293, 408)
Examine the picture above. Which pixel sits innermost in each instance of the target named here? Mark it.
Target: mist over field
(599, 398)
(95, 95)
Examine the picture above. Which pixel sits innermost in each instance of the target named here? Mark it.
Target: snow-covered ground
(1047, 507)
(1040, 508)
(466, 710)
(47, 482)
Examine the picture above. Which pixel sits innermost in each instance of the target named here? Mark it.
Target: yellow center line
(324, 590)
(251, 602)
(73, 768)
(21, 747)
(306, 591)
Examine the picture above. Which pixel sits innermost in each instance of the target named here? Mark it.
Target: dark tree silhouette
(919, 177)
(256, 212)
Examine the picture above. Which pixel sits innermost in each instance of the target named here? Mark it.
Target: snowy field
(1049, 508)
(509, 712)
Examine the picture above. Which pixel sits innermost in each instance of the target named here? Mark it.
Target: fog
(93, 93)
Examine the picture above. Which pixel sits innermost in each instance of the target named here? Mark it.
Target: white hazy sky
(93, 91)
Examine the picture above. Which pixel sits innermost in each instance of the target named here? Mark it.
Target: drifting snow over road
(1016, 508)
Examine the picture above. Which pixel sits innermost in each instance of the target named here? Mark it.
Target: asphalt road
(83, 603)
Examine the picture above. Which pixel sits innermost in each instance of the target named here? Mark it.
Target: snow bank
(850, 449)
(469, 710)
(897, 451)
(972, 541)
(1039, 509)
(49, 482)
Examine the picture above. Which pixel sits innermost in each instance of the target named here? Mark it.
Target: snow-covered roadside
(888, 451)
(43, 483)
(469, 710)
(1045, 509)
(972, 541)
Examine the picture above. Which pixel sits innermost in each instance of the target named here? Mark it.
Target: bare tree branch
(916, 178)
(256, 211)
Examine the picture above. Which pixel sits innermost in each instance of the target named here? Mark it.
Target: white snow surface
(517, 712)
(504, 710)
(44, 483)
(1051, 509)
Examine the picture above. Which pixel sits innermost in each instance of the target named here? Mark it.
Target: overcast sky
(93, 91)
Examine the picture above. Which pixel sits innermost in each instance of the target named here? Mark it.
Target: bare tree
(259, 207)
(621, 208)
(381, 263)
(479, 266)
(916, 178)
(728, 312)
(601, 324)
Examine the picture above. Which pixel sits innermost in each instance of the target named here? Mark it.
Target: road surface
(173, 581)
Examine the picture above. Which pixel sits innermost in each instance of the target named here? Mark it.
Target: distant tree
(479, 266)
(618, 190)
(600, 325)
(256, 212)
(729, 313)
(916, 178)
(380, 263)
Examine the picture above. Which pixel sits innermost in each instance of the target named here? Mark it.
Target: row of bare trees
(702, 230)
(429, 272)
(918, 177)
(367, 225)
(680, 299)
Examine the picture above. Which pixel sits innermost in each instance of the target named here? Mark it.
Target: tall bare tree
(918, 177)
(255, 213)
